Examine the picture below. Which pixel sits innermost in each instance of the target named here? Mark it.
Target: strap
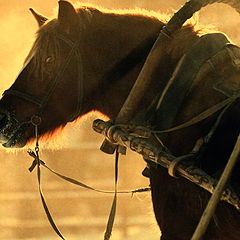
(78, 183)
(37, 162)
(50, 219)
(112, 214)
(175, 92)
(57, 78)
(24, 96)
(205, 114)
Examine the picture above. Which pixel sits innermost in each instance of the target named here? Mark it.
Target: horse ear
(40, 19)
(67, 16)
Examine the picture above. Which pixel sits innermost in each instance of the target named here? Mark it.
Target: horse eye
(49, 60)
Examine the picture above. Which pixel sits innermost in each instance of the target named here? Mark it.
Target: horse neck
(110, 40)
(112, 58)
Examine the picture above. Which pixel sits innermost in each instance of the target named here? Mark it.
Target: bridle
(74, 52)
(36, 118)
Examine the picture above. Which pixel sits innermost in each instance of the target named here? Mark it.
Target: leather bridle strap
(24, 96)
(38, 162)
(58, 77)
(78, 183)
(41, 103)
(74, 50)
(50, 219)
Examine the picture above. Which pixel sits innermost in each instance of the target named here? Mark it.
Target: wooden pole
(155, 154)
(212, 204)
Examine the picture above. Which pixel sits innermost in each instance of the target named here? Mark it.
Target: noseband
(41, 103)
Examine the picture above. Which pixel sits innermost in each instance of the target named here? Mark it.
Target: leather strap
(205, 114)
(24, 96)
(78, 183)
(49, 216)
(112, 214)
(37, 162)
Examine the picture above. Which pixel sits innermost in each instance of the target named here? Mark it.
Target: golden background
(79, 213)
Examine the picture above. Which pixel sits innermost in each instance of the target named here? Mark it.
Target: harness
(74, 53)
(179, 84)
(168, 106)
(167, 101)
(35, 120)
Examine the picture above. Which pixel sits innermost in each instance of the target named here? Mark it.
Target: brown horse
(88, 59)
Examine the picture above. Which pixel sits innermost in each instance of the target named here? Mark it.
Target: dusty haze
(80, 214)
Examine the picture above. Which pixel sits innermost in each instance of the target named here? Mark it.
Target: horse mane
(47, 43)
(91, 9)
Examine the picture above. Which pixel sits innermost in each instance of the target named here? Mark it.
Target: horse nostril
(3, 120)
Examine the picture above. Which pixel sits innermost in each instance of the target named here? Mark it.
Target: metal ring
(36, 120)
(110, 132)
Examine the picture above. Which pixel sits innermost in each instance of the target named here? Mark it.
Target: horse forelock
(46, 45)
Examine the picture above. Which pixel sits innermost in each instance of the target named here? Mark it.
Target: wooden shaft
(143, 81)
(155, 154)
(212, 204)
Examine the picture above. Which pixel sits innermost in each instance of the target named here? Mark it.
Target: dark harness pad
(204, 48)
(229, 82)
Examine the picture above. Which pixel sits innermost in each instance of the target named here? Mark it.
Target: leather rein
(36, 120)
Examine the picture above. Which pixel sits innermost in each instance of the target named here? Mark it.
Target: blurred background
(79, 213)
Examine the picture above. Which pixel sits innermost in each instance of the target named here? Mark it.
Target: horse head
(40, 89)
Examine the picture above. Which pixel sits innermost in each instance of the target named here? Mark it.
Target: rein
(36, 120)
(38, 162)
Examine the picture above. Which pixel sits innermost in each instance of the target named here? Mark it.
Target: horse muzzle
(12, 133)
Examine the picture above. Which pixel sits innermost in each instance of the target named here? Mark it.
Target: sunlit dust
(74, 149)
